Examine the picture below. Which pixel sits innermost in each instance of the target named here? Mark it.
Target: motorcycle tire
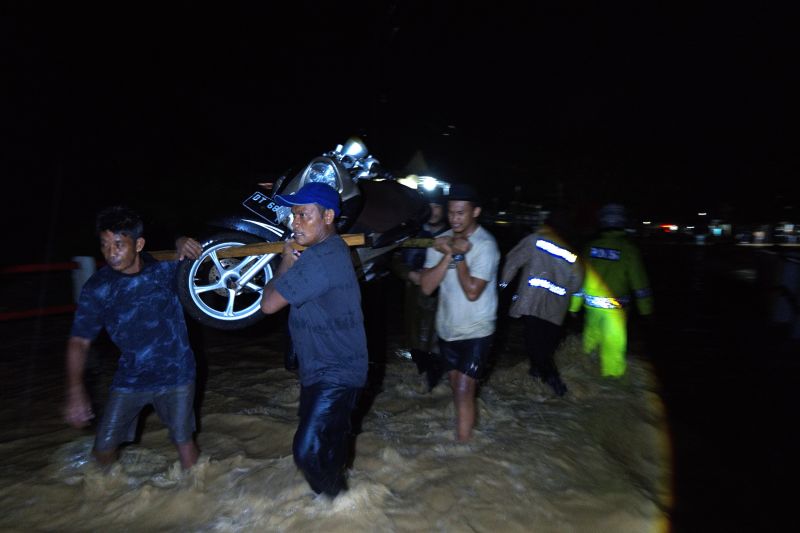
(203, 285)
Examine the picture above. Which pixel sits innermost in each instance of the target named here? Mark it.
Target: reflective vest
(549, 273)
(615, 275)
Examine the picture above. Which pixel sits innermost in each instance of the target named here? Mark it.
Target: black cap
(463, 192)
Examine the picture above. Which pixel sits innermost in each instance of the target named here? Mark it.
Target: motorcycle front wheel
(207, 286)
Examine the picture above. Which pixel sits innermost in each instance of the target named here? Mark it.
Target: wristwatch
(457, 258)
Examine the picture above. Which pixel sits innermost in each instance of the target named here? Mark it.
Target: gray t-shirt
(325, 318)
(457, 318)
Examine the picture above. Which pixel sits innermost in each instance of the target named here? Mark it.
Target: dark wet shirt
(325, 318)
(415, 257)
(144, 318)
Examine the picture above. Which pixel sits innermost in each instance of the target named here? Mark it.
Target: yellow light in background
(410, 181)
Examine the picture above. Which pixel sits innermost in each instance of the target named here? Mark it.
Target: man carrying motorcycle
(419, 309)
(462, 264)
(327, 329)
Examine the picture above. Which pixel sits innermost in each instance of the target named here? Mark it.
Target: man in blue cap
(327, 329)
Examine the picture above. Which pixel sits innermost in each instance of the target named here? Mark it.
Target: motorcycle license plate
(263, 206)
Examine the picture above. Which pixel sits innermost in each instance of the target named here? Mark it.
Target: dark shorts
(174, 407)
(468, 356)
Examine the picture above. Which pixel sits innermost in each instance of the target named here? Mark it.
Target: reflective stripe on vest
(547, 284)
(601, 302)
(605, 253)
(554, 249)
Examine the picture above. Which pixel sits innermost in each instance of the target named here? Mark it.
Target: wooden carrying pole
(257, 248)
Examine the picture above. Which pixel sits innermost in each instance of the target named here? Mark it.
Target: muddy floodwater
(596, 460)
(719, 454)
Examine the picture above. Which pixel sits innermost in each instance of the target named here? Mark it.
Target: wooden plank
(258, 248)
(417, 243)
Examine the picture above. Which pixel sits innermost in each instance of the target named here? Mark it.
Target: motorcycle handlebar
(381, 172)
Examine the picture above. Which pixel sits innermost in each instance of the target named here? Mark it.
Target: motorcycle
(224, 292)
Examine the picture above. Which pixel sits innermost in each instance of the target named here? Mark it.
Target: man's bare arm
(472, 287)
(271, 300)
(430, 278)
(187, 248)
(78, 409)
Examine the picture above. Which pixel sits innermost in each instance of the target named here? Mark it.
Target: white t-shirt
(457, 318)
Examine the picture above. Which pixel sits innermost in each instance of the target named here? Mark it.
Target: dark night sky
(662, 107)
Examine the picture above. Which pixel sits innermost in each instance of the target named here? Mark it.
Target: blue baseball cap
(312, 193)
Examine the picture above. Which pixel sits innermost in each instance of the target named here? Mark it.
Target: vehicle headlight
(322, 172)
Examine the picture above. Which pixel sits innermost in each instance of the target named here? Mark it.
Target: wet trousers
(541, 340)
(606, 330)
(322, 441)
(419, 319)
